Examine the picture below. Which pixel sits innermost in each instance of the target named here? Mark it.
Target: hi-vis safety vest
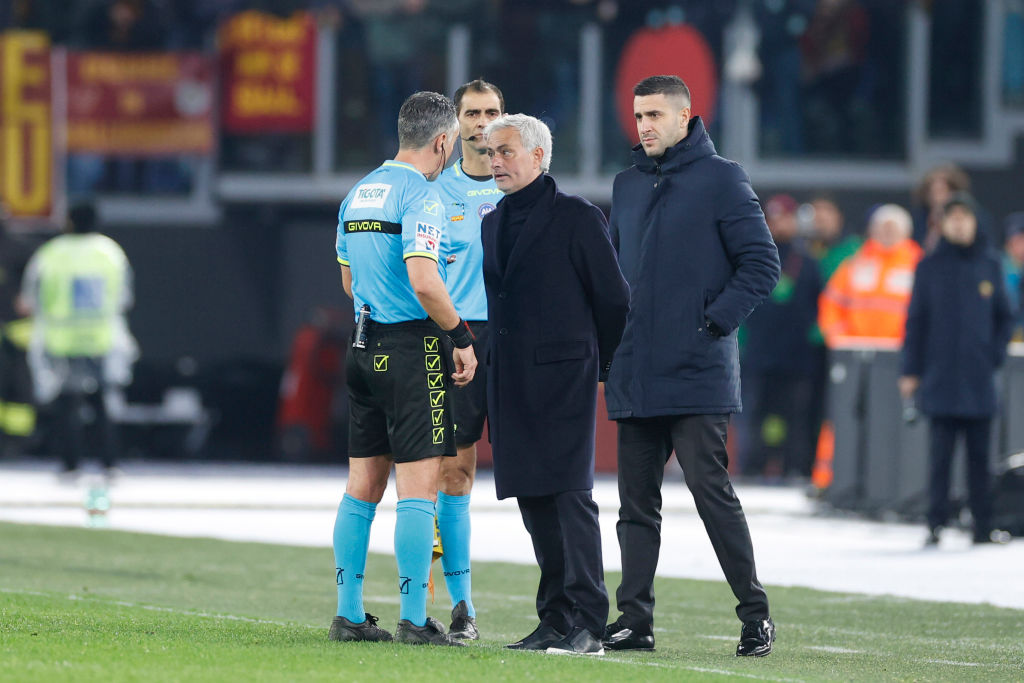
(80, 286)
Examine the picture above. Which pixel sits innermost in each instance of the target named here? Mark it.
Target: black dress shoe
(543, 637)
(756, 638)
(627, 639)
(580, 641)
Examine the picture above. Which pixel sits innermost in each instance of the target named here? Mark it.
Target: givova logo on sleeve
(428, 238)
(370, 196)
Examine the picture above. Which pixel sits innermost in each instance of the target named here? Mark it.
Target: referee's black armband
(461, 335)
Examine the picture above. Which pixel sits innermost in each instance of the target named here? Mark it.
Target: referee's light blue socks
(453, 521)
(351, 543)
(414, 545)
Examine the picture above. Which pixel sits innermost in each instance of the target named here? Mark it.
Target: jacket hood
(696, 145)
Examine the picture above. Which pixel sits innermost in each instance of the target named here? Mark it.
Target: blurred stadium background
(217, 138)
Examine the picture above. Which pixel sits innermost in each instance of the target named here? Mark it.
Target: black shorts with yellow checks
(399, 393)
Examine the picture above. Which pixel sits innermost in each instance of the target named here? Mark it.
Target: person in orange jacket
(868, 295)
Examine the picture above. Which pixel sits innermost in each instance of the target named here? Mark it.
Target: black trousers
(83, 426)
(567, 542)
(943, 434)
(645, 445)
(75, 437)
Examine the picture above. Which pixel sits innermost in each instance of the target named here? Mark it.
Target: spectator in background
(826, 242)
(78, 287)
(122, 26)
(778, 362)
(1013, 262)
(957, 330)
(1013, 53)
(868, 295)
(834, 53)
(930, 197)
(782, 24)
(399, 35)
(37, 15)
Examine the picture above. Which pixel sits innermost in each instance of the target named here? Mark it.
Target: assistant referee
(390, 227)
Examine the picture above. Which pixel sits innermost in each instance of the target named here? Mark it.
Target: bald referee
(390, 228)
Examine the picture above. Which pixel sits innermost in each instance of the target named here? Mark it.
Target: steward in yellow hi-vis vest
(78, 287)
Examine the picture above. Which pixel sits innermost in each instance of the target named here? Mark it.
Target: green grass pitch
(92, 605)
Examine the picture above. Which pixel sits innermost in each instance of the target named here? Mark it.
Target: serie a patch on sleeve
(428, 238)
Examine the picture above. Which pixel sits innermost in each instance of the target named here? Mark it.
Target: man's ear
(684, 118)
(538, 155)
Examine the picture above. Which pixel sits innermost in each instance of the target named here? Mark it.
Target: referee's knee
(456, 478)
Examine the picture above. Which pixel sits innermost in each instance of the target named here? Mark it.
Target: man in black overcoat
(557, 304)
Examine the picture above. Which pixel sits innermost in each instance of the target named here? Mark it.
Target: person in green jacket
(78, 287)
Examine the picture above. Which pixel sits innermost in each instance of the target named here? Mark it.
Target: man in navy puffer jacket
(695, 249)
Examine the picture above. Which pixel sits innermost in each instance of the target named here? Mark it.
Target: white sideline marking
(946, 661)
(835, 650)
(700, 669)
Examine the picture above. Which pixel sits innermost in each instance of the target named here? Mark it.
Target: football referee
(469, 193)
(390, 227)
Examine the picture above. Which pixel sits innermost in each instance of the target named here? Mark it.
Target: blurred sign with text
(26, 128)
(268, 72)
(140, 104)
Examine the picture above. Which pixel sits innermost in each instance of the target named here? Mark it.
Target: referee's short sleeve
(422, 223)
(340, 244)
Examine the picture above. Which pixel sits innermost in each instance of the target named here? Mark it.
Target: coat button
(502, 295)
(503, 330)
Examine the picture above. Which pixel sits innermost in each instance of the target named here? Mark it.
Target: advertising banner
(268, 71)
(26, 129)
(140, 104)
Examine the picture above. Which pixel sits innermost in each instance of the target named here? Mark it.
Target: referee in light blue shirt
(390, 230)
(469, 193)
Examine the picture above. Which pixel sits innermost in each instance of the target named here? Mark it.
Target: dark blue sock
(453, 521)
(351, 542)
(414, 543)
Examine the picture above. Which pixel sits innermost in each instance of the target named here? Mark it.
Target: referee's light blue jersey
(466, 202)
(392, 214)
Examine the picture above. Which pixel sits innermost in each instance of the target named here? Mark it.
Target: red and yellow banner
(268, 70)
(140, 104)
(26, 150)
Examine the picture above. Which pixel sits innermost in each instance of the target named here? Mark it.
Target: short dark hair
(82, 218)
(425, 115)
(662, 85)
(481, 86)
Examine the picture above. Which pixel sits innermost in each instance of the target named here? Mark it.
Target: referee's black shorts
(399, 390)
(469, 403)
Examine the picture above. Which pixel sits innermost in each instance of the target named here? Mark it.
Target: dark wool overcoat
(555, 315)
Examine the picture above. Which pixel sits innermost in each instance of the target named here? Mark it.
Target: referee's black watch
(713, 329)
